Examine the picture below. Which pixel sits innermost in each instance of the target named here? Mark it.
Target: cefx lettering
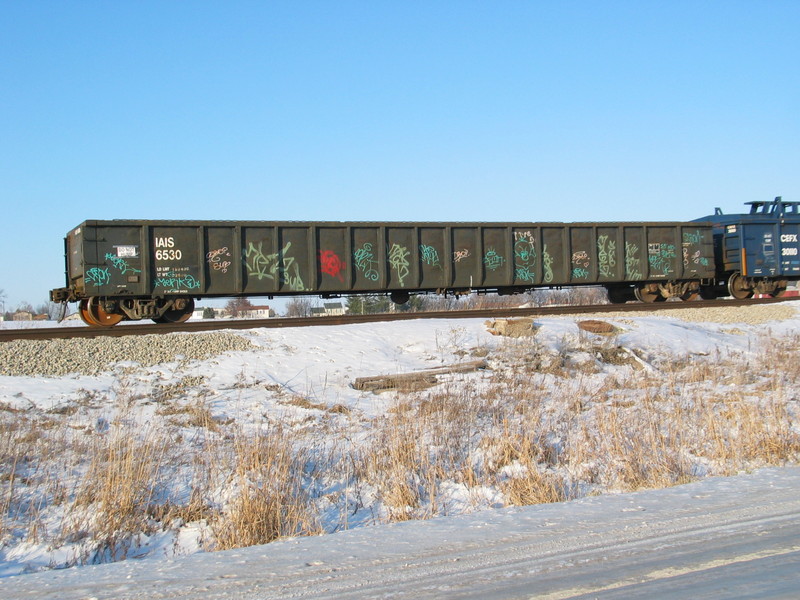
(789, 237)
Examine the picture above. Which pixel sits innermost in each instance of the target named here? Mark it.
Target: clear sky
(373, 110)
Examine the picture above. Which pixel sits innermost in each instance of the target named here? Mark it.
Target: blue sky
(470, 111)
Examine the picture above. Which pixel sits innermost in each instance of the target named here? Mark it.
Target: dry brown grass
(541, 427)
(270, 501)
(111, 503)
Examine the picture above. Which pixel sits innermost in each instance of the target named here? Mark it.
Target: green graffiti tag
(606, 255)
(121, 264)
(633, 263)
(493, 260)
(660, 257)
(398, 260)
(271, 266)
(98, 276)
(524, 256)
(365, 262)
(176, 281)
(429, 256)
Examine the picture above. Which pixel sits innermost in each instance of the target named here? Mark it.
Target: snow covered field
(727, 537)
(131, 451)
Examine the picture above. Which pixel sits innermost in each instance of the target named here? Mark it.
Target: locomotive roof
(779, 206)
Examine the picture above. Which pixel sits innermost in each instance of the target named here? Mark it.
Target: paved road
(735, 537)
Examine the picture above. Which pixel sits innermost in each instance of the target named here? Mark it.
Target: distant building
(22, 315)
(219, 313)
(329, 309)
(257, 312)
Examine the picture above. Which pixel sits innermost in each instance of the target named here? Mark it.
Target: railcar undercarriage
(96, 311)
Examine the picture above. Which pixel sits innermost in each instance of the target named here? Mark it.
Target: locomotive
(131, 270)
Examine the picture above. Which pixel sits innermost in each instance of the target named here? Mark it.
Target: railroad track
(139, 328)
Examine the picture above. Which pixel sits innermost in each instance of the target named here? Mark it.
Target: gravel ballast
(56, 358)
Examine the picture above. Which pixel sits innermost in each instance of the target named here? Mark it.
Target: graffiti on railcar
(98, 276)
(260, 265)
(271, 266)
(177, 281)
(580, 264)
(429, 256)
(121, 264)
(524, 256)
(398, 260)
(660, 257)
(493, 260)
(691, 253)
(460, 255)
(365, 262)
(216, 261)
(690, 258)
(633, 264)
(606, 255)
(547, 265)
(331, 264)
(580, 258)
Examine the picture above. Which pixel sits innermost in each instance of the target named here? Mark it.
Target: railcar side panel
(260, 259)
(114, 260)
(789, 249)
(162, 259)
(662, 253)
(555, 256)
(583, 262)
(610, 260)
(697, 252)
(176, 266)
(222, 260)
(369, 264)
(635, 255)
(296, 260)
(495, 270)
(527, 264)
(333, 259)
(433, 255)
(466, 256)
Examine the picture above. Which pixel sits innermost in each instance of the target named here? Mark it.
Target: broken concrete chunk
(600, 327)
(521, 327)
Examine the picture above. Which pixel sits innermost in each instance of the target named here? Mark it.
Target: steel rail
(140, 328)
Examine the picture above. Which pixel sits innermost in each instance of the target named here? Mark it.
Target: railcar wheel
(86, 316)
(177, 315)
(94, 315)
(738, 288)
(644, 295)
(399, 297)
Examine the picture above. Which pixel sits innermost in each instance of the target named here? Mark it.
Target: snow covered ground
(736, 537)
(477, 443)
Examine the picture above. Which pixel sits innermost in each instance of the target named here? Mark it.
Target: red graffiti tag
(331, 264)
